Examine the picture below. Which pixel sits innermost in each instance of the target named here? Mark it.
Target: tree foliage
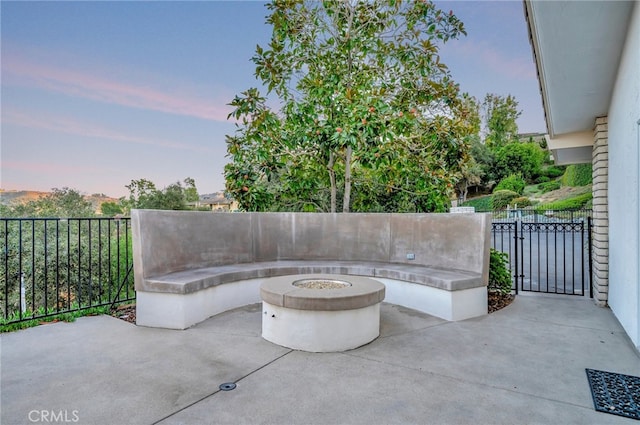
(513, 182)
(501, 114)
(70, 203)
(493, 155)
(525, 159)
(63, 202)
(471, 175)
(368, 112)
(111, 209)
(143, 194)
(472, 171)
(486, 159)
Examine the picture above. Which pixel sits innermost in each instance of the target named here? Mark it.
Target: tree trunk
(332, 179)
(347, 160)
(347, 181)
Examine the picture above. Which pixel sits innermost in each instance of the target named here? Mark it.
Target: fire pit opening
(320, 283)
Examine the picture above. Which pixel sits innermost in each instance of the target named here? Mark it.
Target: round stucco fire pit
(321, 313)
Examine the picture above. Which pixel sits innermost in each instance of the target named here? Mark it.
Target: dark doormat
(615, 393)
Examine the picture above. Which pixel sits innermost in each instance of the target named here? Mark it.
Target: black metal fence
(54, 265)
(59, 265)
(548, 252)
(541, 215)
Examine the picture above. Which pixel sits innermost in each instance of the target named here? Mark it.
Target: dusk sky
(96, 94)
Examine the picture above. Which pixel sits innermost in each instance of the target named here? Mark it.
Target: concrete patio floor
(523, 364)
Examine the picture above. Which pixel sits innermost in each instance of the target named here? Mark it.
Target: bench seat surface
(193, 280)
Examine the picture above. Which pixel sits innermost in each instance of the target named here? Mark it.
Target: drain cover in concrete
(227, 386)
(615, 393)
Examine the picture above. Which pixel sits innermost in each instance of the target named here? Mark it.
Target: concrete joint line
(219, 390)
(413, 331)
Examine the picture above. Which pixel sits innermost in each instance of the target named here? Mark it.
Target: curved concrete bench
(192, 265)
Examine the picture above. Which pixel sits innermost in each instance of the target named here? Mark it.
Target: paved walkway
(522, 365)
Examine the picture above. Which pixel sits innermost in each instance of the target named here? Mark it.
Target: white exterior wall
(624, 187)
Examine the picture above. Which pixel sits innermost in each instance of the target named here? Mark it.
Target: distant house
(588, 61)
(216, 202)
(532, 137)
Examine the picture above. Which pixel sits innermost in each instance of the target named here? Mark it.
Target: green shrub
(577, 175)
(542, 179)
(481, 203)
(513, 182)
(575, 203)
(521, 202)
(553, 172)
(549, 186)
(519, 158)
(501, 198)
(499, 274)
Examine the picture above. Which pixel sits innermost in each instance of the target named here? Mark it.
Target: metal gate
(549, 256)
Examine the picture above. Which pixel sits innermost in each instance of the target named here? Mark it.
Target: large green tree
(501, 114)
(367, 111)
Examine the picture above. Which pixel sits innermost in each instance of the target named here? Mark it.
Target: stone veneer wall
(600, 253)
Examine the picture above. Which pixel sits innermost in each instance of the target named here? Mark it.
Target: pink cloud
(513, 67)
(21, 71)
(71, 126)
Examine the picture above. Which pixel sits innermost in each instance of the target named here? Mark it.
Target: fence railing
(541, 215)
(549, 252)
(51, 266)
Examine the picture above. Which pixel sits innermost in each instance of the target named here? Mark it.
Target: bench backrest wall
(320, 236)
(168, 241)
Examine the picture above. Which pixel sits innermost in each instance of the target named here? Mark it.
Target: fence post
(23, 295)
(515, 251)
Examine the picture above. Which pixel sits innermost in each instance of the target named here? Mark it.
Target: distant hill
(8, 197)
(19, 196)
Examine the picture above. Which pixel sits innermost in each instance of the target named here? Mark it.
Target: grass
(536, 190)
(6, 326)
(574, 203)
(480, 203)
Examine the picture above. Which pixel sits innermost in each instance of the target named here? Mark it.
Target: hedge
(501, 198)
(577, 175)
(521, 202)
(553, 171)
